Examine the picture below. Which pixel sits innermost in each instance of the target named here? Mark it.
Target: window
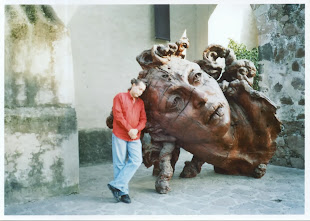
(162, 22)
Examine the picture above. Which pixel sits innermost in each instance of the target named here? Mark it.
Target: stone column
(281, 30)
(41, 140)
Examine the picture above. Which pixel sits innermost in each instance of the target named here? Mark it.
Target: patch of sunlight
(233, 21)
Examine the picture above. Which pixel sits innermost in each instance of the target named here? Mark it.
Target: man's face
(137, 90)
(188, 103)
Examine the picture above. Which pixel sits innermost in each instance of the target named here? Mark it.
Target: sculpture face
(187, 102)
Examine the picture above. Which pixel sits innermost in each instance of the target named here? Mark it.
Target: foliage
(242, 52)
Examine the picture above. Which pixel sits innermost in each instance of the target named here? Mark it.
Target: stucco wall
(281, 30)
(41, 142)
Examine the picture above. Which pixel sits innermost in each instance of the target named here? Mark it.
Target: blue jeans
(124, 171)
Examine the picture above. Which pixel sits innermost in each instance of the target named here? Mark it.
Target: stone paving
(279, 192)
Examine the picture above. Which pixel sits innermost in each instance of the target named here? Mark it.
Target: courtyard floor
(280, 192)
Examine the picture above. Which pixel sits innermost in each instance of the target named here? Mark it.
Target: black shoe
(115, 192)
(125, 198)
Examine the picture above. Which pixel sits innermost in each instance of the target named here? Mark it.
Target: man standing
(129, 120)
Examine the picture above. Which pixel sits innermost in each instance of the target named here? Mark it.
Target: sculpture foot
(162, 186)
(189, 170)
(260, 170)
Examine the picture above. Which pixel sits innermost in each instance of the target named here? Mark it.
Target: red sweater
(127, 115)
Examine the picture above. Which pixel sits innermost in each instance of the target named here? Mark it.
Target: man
(129, 119)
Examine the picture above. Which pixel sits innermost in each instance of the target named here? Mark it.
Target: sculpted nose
(200, 98)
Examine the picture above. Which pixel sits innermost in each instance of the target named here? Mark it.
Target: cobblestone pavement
(279, 192)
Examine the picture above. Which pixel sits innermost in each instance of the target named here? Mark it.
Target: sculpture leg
(156, 169)
(166, 170)
(192, 168)
(174, 159)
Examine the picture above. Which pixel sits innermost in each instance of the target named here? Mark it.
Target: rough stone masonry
(281, 36)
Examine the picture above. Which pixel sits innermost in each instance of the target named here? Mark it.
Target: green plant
(242, 52)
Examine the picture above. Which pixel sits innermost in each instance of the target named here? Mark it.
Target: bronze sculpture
(216, 115)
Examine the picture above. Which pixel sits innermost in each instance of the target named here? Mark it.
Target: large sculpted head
(207, 108)
(185, 102)
(206, 105)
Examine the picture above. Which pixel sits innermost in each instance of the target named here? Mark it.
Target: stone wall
(41, 140)
(281, 30)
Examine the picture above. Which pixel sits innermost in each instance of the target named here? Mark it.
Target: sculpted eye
(195, 78)
(175, 103)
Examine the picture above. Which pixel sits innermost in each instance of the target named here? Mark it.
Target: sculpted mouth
(217, 113)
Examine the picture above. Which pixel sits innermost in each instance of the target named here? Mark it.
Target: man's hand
(133, 133)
